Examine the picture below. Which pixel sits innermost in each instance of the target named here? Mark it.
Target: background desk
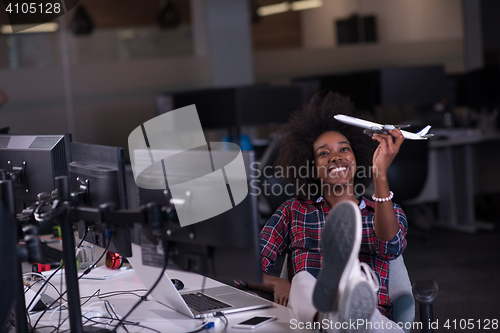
(162, 318)
(462, 164)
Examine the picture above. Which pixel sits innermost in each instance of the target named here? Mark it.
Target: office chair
(408, 171)
(407, 176)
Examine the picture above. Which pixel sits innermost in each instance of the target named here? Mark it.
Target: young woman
(342, 162)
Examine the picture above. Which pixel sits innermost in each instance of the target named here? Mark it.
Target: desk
(462, 165)
(157, 316)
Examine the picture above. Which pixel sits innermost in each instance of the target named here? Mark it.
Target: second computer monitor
(97, 176)
(224, 247)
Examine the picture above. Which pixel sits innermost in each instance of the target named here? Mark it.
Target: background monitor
(33, 162)
(362, 88)
(263, 105)
(356, 29)
(482, 88)
(228, 243)
(216, 106)
(97, 176)
(236, 106)
(424, 85)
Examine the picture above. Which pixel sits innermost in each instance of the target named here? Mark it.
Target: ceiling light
(306, 4)
(286, 6)
(28, 28)
(274, 9)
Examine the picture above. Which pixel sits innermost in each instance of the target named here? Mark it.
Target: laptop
(194, 303)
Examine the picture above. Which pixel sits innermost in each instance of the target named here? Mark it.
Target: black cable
(141, 326)
(89, 298)
(115, 293)
(60, 305)
(57, 270)
(111, 311)
(165, 263)
(50, 277)
(64, 293)
(226, 321)
(125, 323)
(88, 270)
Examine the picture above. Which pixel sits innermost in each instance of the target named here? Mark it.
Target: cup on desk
(86, 255)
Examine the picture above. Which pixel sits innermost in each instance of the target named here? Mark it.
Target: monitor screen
(97, 176)
(412, 85)
(224, 247)
(263, 105)
(33, 162)
(236, 106)
(361, 87)
(216, 107)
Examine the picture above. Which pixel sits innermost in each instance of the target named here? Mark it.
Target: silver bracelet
(391, 195)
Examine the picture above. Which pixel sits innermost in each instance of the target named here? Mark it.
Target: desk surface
(155, 315)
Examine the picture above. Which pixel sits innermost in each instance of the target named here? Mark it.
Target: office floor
(466, 268)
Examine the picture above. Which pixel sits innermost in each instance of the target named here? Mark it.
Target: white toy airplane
(371, 127)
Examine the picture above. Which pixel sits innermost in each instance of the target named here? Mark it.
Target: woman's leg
(300, 299)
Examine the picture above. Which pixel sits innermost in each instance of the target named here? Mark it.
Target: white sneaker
(356, 305)
(341, 285)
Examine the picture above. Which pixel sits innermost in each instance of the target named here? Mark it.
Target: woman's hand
(273, 284)
(281, 288)
(386, 222)
(386, 151)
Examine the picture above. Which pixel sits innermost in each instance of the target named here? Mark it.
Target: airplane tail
(424, 131)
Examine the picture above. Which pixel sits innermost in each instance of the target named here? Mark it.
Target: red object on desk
(113, 260)
(38, 268)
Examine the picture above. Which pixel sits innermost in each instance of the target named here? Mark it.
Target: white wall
(397, 20)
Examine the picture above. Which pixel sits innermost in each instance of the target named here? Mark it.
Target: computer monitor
(420, 85)
(482, 88)
(216, 106)
(236, 106)
(33, 162)
(266, 105)
(349, 30)
(97, 176)
(361, 87)
(224, 247)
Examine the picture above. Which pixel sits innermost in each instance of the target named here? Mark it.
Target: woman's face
(334, 159)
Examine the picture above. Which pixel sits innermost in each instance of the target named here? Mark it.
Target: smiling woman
(334, 159)
(338, 243)
(314, 125)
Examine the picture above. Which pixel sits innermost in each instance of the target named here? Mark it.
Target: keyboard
(50, 255)
(201, 302)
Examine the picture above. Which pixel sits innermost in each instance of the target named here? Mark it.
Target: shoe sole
(342, 231)
(357, 307)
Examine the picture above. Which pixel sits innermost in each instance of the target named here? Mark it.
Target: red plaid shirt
(295, 229)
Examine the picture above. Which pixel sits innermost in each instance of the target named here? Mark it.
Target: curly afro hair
(308, 123)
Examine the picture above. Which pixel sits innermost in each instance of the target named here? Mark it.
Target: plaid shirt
(295, 229)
